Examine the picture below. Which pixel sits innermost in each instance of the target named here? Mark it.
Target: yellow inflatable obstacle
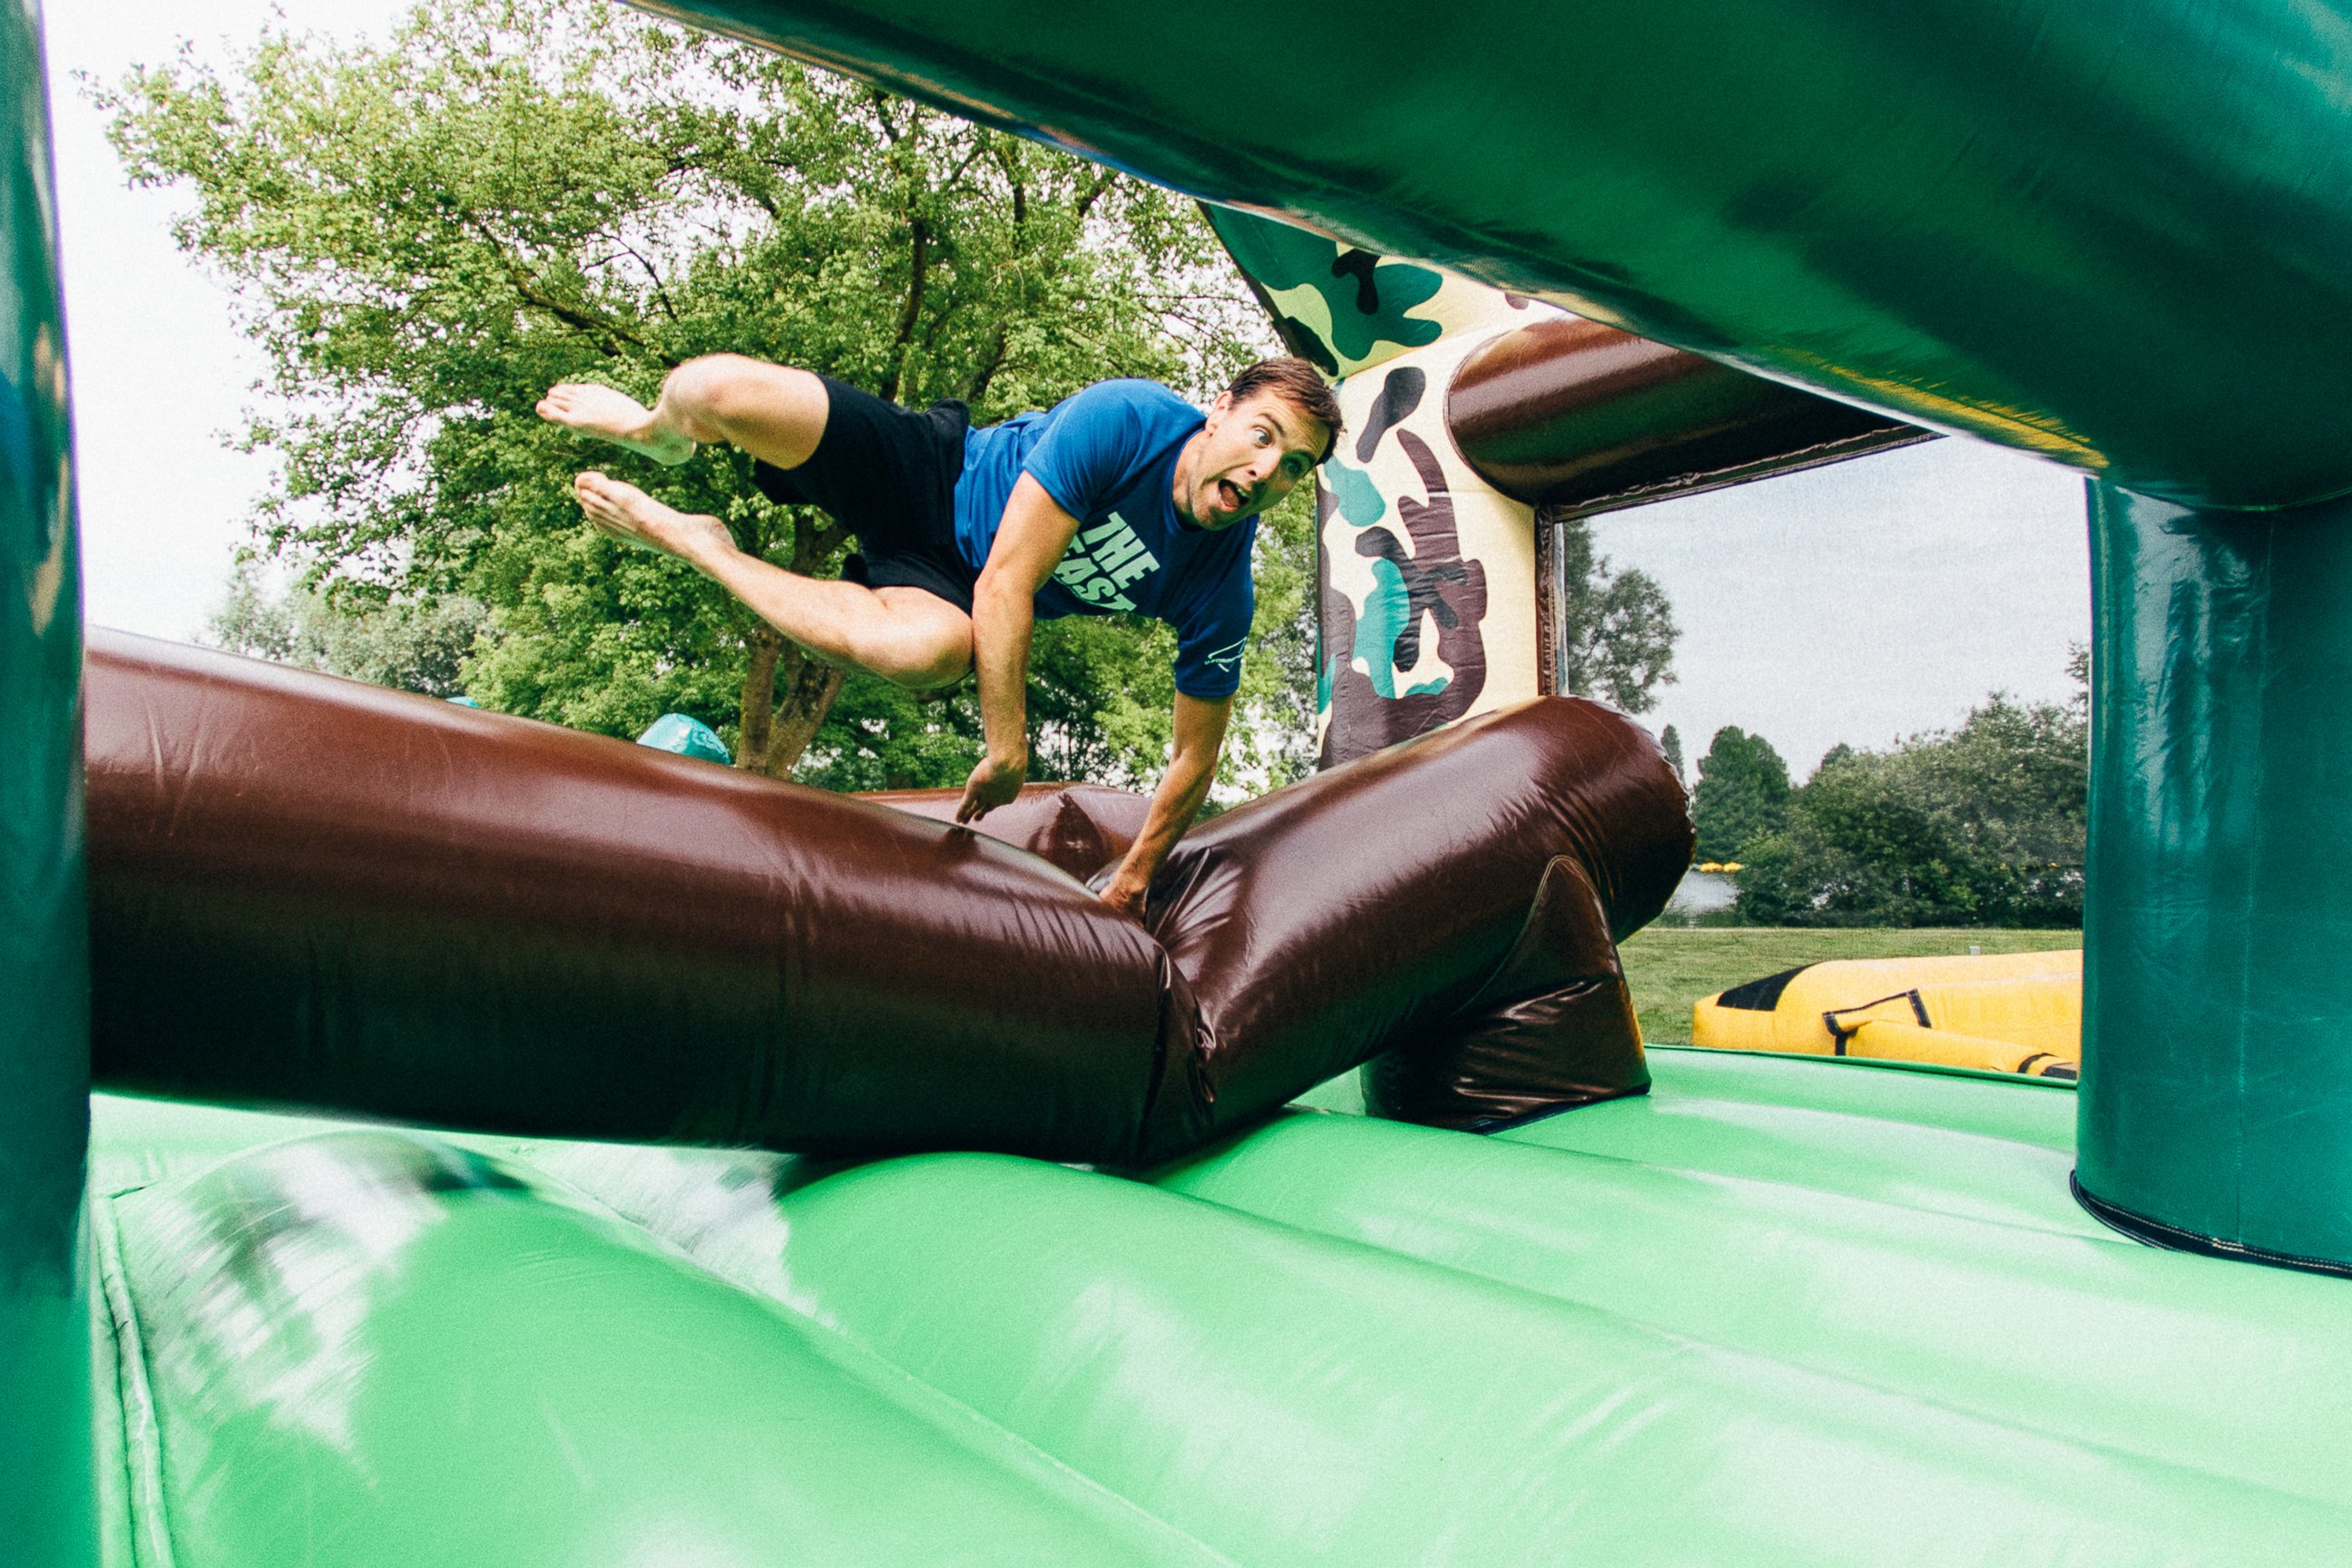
(2020, 1013)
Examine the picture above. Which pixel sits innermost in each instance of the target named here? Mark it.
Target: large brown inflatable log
(307, 891)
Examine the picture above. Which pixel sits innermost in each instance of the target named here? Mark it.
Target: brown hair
(1298, 382)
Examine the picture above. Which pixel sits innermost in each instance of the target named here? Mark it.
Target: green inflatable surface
(1777, 1311)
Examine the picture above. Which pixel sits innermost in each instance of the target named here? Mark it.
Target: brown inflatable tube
(1448, 908)
(1079, 827)
(1570, 413)
(310, 892)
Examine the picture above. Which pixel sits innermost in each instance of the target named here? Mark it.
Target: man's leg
(913, 638)
(774, 412)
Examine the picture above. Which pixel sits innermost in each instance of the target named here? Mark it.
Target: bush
(1981, 826)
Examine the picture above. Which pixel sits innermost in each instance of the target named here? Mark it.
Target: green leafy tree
(1981, 826)
(1617, 627)
(387, 642)
(1273, 741)
(514, 193)
(1670, 742)
(1742, 795)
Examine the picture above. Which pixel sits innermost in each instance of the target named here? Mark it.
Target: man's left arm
(1200, 738)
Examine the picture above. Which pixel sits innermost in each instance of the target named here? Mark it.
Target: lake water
(1699, 893)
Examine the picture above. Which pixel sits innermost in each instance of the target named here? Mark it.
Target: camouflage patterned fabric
(1426, 573)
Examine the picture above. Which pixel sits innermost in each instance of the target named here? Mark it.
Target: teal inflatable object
(687, 737)
(1778, 1313)
(45, 1464)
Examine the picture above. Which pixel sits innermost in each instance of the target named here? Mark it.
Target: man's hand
(1029, 541)
(1124, 894)
(991, 785)
(1200, 737)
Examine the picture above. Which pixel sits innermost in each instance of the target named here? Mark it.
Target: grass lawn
(1670, 967)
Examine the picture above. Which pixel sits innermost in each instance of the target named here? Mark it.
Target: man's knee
(721, 392)
(919, 641)
(944, 667)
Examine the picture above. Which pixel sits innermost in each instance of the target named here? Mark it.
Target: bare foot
(615, 417)
(617, 508)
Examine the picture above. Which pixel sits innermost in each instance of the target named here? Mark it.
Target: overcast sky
(1868, 600)
(159, 374)
(1857, 603)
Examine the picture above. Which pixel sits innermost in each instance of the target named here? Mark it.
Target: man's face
(1251, 454)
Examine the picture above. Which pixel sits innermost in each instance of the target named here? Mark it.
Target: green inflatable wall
(45, 1468)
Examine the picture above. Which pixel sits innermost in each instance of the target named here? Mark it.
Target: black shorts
(889, 475)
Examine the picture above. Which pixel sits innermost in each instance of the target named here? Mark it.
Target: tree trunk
(757, 707)
(786, 693)
(809, 687)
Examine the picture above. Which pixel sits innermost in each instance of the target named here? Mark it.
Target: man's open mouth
(1229, 494)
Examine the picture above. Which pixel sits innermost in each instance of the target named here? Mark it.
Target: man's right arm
(1029, 544)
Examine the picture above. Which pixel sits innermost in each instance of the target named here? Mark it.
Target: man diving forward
(1122, 498)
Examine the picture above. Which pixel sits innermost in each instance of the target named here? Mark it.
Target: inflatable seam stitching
(142, 1444)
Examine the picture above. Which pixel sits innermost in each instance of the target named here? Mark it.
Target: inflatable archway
(1478, 419)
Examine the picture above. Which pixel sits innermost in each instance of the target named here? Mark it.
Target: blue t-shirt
(1107, 457)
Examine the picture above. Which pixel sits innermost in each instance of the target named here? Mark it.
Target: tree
(1742, 795)
(1617, 628)
(1981, 826)
(1670, 742)
(402, 644)
(515, 193)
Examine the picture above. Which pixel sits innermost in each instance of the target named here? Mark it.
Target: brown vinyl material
(1080, 827)
(317, 892)
(307, 891)
(1446, 905)
(1573, 414)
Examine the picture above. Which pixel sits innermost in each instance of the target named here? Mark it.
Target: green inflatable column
(45, 1508)
(2216, 1108)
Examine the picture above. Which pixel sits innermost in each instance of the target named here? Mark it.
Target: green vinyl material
(2110, 231)
(1777, 1311)
(2218, 990)
(45, 1511)
(359, 1345)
